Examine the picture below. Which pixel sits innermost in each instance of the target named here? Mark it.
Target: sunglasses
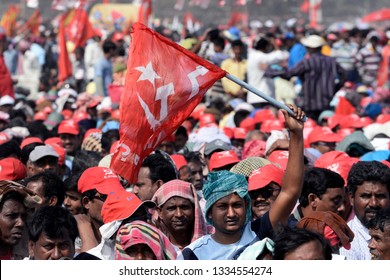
(265, 193)
(100, 197)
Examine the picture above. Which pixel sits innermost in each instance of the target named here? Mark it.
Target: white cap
(313, 41)
(7, 100)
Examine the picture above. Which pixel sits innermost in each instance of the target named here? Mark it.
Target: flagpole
(261, 94)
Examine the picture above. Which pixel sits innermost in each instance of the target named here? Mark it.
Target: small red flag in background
(32, 24)
(64, 64)
(164, 83)
(145, 11)
(8, 21)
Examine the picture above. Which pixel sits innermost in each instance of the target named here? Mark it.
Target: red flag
(305, 6)
(32, 24)
(64, 64)
(145, 11)
(164, 83)
(78, 29)
(8, 21)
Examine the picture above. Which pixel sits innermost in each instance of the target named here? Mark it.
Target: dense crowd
(239, 179)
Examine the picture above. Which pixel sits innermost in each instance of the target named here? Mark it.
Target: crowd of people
(238, 180)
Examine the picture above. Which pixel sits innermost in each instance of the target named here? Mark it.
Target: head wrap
(223, 183)
(185, 190)
(139, 232)
(321, 221)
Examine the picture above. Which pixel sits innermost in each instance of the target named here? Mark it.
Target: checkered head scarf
(140, 232)
(185, 190)
(223, 183)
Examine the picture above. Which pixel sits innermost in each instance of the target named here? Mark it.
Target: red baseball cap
(229, 132)
(383, 118)
(120, 205)
(179, 160)
(338, 162)
(12, 169)
(40, 116)
(323, 134)
(68, 127)
(343, 132)
(264, 115)
(30, 140)
(54, 140)
(221, 159)
(79, 116)
(116, 114)
(4, 138)
(67, 114)
(269, 125)
(102, 179)
(248, 124)
(239, 133)
(279, 157)
(207, 120)
(266, 174)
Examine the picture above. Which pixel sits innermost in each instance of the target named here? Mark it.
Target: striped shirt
(318, 74)
(367, 63)
(359, 246)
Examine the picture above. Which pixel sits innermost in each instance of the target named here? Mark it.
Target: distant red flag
(32, 24)
(8, 21)
(145, 12)
(78, 29)
(64, 64)
(164, 83)
(305, 6)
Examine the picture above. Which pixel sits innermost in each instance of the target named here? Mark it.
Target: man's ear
(312, 200)
(31, 246)
(159, 183)
(159, 210)
(85, 202)
(53, 200)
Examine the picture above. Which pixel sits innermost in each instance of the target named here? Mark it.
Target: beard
(365, 220)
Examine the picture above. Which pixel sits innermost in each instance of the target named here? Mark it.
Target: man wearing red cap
(69, 133)
(94, 185)
(323, 139)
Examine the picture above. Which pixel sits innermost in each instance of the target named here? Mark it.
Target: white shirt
(359, 246)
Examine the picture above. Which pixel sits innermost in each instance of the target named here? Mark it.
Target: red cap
(54, 140)
(4, 138)
(221, 159)
(40, 116)
(334, 120)
(98, 178)
(187, 125)
(179, 160)
(383, 118)
(323, 134)
(91, 131)
(343, 132)
(117, 36)
(269, 125)
(114, 146)
(116, 114)
(61, 153)
(354, 121)
(229, 132)
(248, 124)
(336, 161)
(266, 174)
(48, 110)
(207, 120)
(198, 112)
(121, 204)
(30, 140)
(239, 133)
(68, 127)
(79, 116)
(93, 104)
(12, 169)
(264, 115)
(279, 157)
(310, 123)
(67, 114)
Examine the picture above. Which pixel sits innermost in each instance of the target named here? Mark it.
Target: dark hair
(288, 239)
(38, 129)
(52, 185)
(381, 220)
(11, 196)
(108, 138)
(71, 182)
(220, 42)
(107, 46)
(52, 221)
(239, 116)
(25, 152)
(317, 181)
(85, 159)
(195, 157)
(12, 147)
(368, 171)
(237, 43)
(261, 44)
(160, 168)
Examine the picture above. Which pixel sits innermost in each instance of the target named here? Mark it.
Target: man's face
(52, 249)
(380, 243)
(140, 252)
(263, 198)
(178, 215)
(370, 197)
(94, 207)
(12, 222)
(72, 202)
(145, 188)
(48, 163)
(308, 251)
(325, 147)
(331, 200)
(37, 187)
(197, 174)
(71, 142)
(228, 214)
